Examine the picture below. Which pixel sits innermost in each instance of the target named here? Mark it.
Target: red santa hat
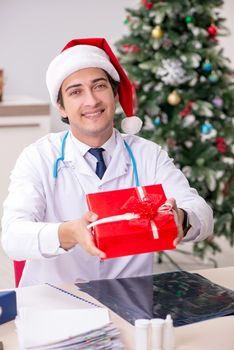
(93, 52)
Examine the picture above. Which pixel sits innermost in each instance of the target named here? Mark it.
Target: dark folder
(188, 297)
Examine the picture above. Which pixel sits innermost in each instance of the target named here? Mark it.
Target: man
(45, 214)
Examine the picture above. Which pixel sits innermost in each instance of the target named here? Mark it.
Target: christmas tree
(185, 94)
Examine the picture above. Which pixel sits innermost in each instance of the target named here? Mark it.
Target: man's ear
(61, 110)
(116, 97)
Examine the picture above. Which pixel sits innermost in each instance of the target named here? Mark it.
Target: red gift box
(147, 230)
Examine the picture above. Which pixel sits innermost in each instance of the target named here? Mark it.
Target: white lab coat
(37, 203)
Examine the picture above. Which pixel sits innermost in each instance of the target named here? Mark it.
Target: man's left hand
(170, 205)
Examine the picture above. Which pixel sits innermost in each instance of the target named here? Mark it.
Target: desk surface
(214, 334)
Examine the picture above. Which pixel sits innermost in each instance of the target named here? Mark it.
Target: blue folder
(8, 310)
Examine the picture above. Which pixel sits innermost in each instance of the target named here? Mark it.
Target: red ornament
(212, 30)
(148, 5)
(127, 20)
(134, 99)
(221, 145)
(225, 190)
(187, 110)
(130, 48)
(136, 85)
(227, 186)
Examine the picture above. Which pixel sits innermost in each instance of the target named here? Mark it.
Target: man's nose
(90, 98)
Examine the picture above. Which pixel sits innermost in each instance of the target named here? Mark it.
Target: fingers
(87, 240)
(170, 205)
(90, 217)
(90, 247)
(75, 232)
(179, 216)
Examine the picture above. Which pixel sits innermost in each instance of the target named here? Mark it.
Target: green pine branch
(169, 49)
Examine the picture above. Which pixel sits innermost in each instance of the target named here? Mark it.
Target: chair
(18, 268)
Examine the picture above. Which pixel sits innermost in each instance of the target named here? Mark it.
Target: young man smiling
(45, 214)
(89, 101)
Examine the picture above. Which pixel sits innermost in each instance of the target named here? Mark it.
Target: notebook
(50, 317)
(188, 297)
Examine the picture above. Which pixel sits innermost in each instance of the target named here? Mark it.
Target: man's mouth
(93, 115)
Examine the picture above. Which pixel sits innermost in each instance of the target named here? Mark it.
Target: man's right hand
(75, 232)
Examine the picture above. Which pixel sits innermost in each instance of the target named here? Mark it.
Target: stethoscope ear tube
(61, 157)
(133, 163)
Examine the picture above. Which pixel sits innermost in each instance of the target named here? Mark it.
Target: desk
(214, 334)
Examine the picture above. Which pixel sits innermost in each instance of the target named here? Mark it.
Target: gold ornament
(174, 99)
(157, 32)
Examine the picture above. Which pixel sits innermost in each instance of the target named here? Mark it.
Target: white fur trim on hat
(131, 125)
(73, 59)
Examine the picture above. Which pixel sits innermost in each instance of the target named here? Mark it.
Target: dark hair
(114, 84)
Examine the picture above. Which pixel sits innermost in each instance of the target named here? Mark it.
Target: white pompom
(131, 125)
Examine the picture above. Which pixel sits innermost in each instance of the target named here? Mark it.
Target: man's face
(89, 103)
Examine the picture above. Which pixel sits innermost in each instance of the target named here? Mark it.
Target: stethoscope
(61, 158)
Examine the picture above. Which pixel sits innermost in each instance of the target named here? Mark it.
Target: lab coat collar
(83, 148)
(118, 166)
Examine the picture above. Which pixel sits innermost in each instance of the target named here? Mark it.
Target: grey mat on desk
(188, 297)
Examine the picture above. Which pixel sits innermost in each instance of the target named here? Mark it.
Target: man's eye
(100, 86)
(75, 92)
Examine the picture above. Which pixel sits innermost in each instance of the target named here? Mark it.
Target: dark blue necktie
(101, 166)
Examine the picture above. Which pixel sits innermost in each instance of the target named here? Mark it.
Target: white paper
(43, 327)
(47, 297)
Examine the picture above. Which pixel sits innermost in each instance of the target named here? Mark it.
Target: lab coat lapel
(120, 162)
(75, 160)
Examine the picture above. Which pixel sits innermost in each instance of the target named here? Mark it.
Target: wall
(228, 42)
(32, 33)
